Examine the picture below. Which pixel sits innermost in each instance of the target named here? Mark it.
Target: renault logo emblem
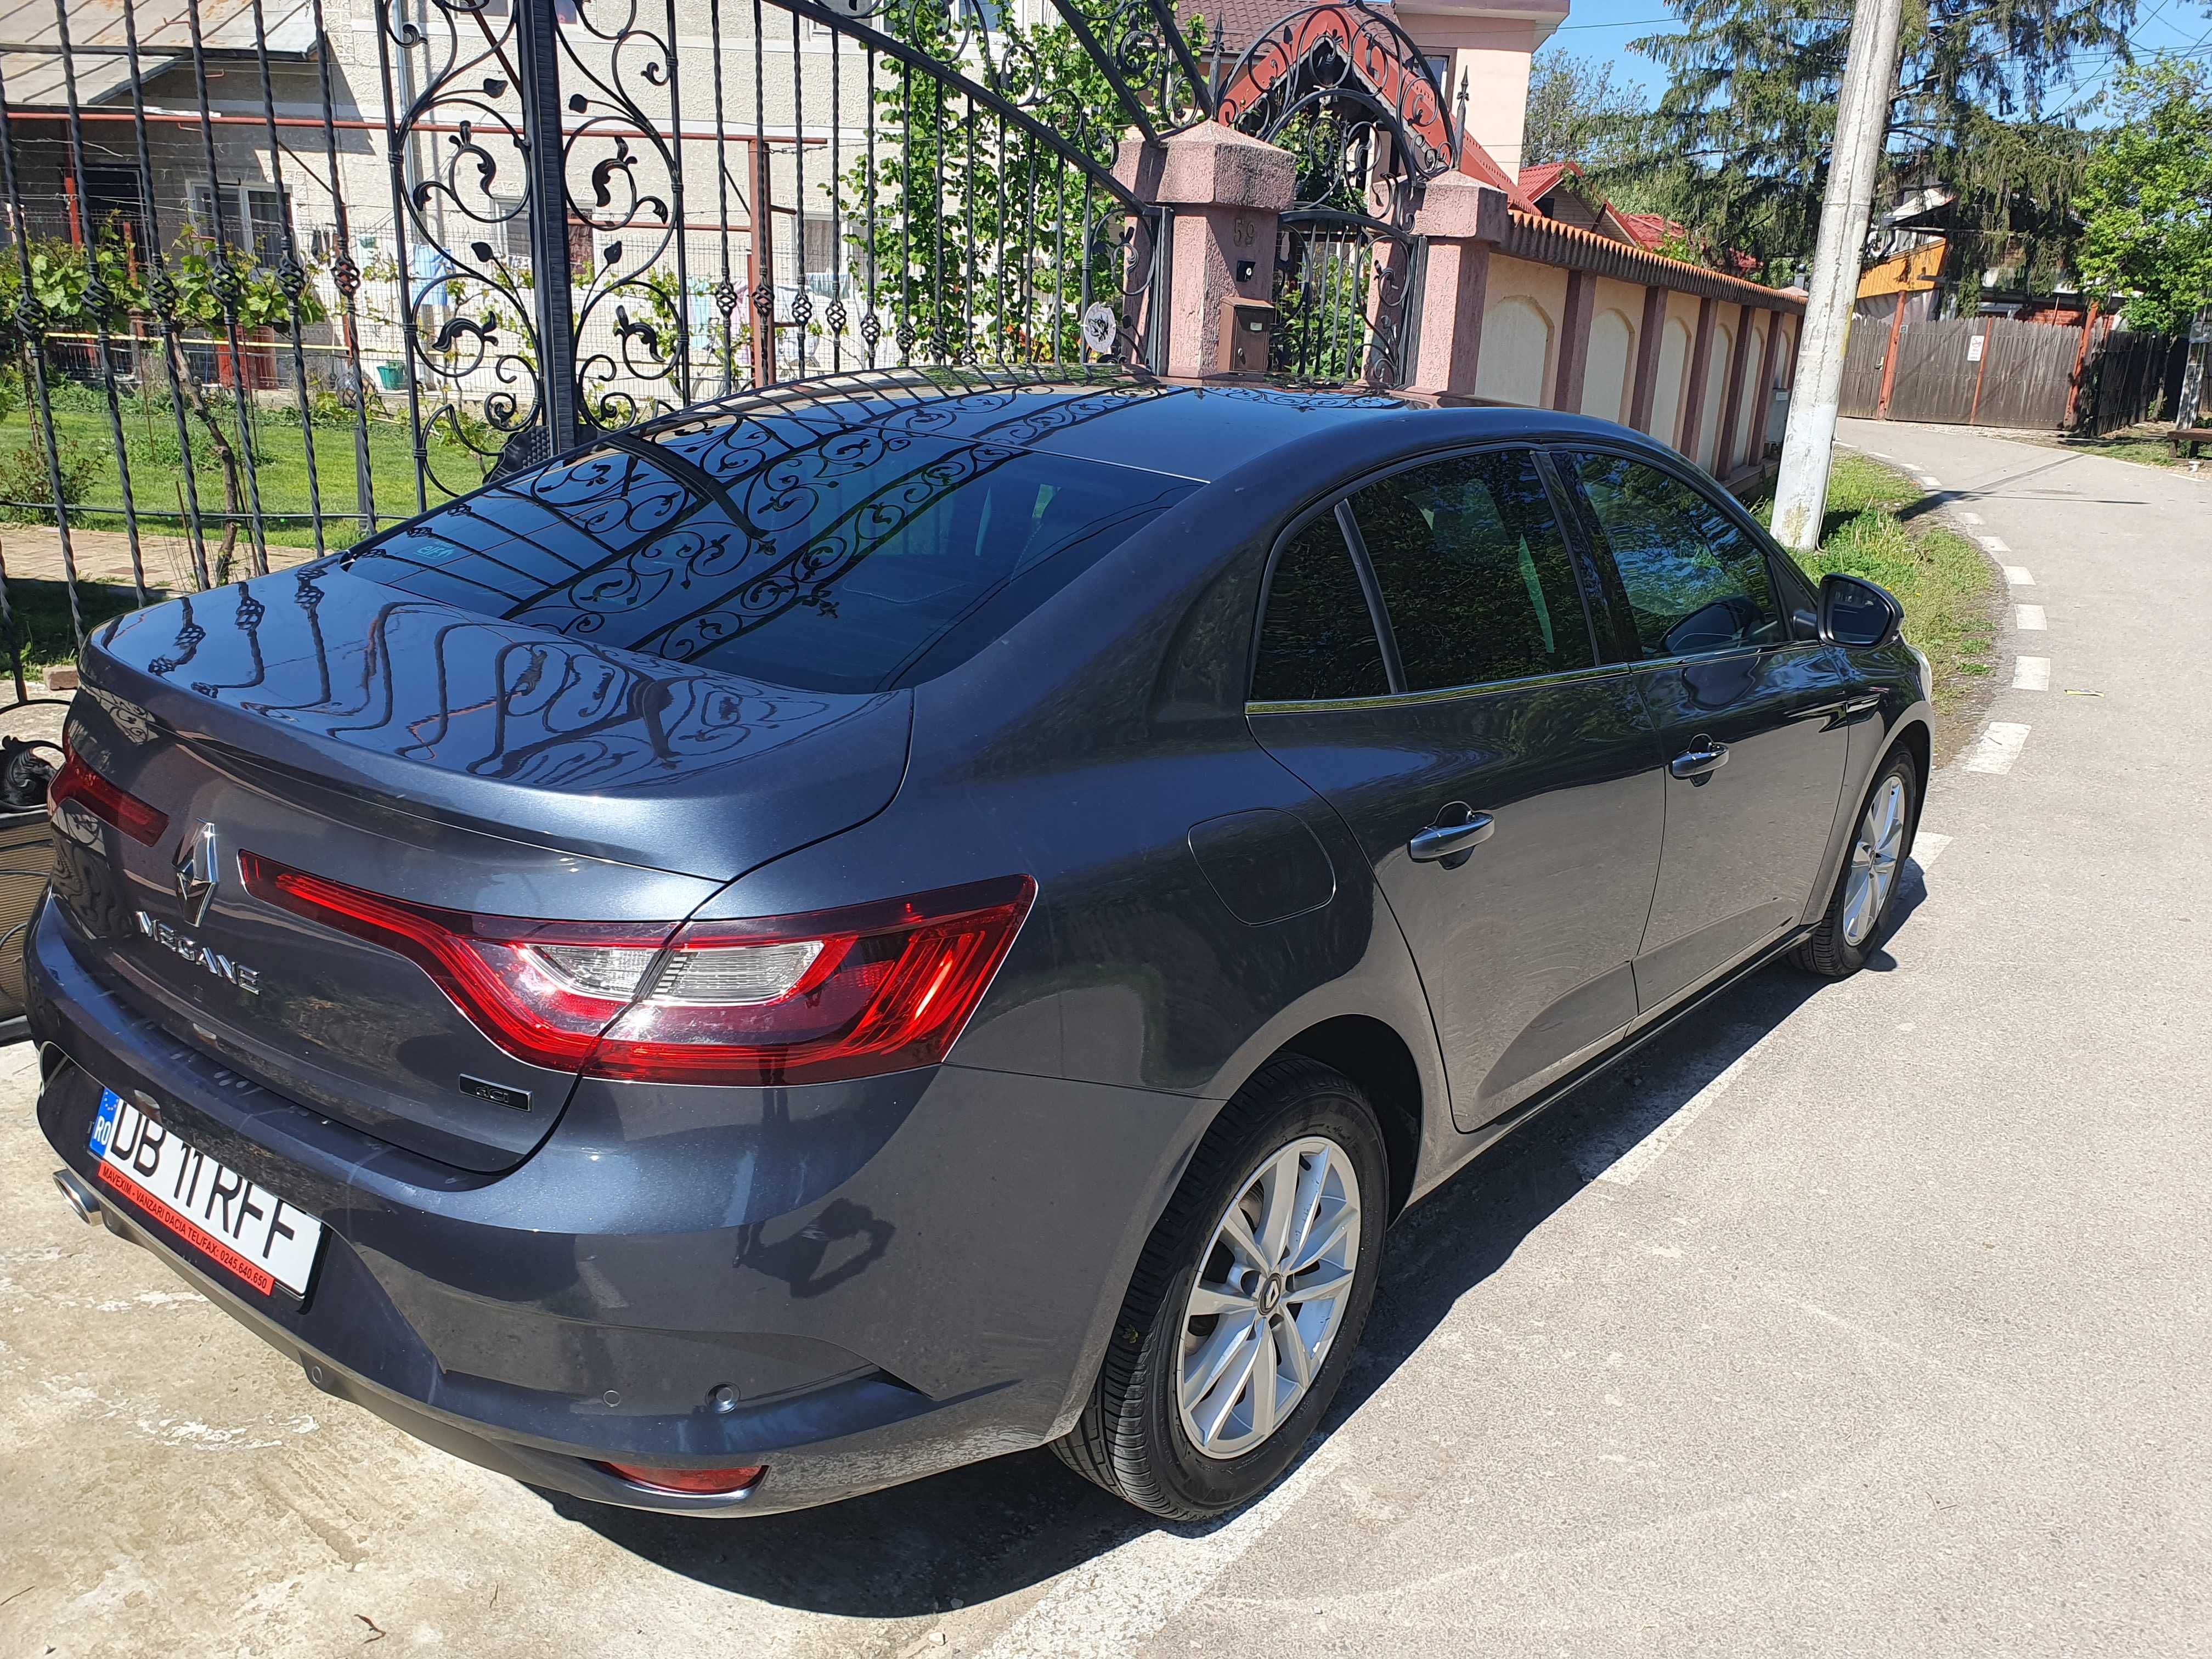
(198, 872)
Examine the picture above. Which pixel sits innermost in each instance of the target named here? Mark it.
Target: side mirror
(1857, 613)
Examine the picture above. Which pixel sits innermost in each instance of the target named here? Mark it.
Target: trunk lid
(429, 754)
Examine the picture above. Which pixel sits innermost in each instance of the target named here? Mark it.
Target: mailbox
(1248, 329)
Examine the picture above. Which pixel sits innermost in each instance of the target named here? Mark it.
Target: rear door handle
(1443, 840)
(1702, 757)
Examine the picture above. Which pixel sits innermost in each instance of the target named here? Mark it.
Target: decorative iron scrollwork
(459, 156)
(1348, 93)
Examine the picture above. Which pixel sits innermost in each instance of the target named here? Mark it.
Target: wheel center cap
(1271, 1293)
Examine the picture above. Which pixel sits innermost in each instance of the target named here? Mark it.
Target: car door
(1750, 709)
(1425, 664)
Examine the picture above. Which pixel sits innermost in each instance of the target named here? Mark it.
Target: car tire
(1881, 840)
(1297, 1127)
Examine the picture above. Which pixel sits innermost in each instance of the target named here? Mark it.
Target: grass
(41, 611)
(281, 475)
(1942, 579)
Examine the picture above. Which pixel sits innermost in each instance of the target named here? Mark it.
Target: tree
(2146, 198)
(1750, 105)
(1576, 113)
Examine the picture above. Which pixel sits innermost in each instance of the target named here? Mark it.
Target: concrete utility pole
(1800, 493)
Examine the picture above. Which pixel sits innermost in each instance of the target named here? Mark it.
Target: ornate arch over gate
(1347, 92)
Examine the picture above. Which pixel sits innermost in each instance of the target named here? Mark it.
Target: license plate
(241, 1226)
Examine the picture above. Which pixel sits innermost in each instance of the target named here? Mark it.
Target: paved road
(1863, 1319)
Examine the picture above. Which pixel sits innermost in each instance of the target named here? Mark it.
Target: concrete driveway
(1867, 1318)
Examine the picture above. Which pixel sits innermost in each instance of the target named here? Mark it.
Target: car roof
(1185, 429)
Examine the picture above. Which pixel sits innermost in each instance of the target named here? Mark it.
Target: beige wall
(1746, 418)
(1674, 387)
(1609, 379)
(1785, 375)
(1521, 317)
(1709, 417)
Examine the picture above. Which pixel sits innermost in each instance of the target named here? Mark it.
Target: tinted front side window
(843, 561)
(1318, 640)
(1474, 572)
(1693, 579)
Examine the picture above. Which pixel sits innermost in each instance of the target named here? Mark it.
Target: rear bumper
(894, 1277)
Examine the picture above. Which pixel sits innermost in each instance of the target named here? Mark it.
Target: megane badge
(198, 872)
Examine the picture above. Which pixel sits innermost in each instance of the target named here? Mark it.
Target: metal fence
(279, 272)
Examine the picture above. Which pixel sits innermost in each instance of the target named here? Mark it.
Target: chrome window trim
(1604, 670)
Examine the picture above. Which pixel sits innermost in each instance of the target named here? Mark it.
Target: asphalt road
(1865, 1318)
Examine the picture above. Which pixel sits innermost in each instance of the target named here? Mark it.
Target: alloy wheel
(1269, 1297)
(1875, 851)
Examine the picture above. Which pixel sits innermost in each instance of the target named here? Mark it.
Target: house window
(252, 218)
(1440, 66)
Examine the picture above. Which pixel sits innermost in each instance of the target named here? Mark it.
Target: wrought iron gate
(282, 271)
(1346, 91)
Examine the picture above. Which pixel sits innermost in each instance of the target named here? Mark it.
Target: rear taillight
(77, 781)
(806, 998)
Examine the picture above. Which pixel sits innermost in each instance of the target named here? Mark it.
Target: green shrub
(24, 481)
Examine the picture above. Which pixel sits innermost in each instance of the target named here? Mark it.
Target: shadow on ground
(995, 1529)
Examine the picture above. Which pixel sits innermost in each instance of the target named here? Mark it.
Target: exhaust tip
(80, 1196)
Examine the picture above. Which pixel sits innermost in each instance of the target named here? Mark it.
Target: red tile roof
(1535, 181)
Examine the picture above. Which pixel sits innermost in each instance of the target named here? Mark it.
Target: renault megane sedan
(866, 927)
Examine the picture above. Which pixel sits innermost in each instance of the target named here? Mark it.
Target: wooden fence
(2000, 372)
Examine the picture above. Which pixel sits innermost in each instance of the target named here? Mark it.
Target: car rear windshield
(851, 561)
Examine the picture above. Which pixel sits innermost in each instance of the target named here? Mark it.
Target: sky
(1603, 29)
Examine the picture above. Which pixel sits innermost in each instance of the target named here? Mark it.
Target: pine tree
(1744, 128)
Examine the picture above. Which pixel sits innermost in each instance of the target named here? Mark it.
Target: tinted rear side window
(1475, 572)
(1318, 640)
(1693, 579)
(846, 560)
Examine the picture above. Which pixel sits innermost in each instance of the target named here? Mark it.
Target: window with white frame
(251, 218)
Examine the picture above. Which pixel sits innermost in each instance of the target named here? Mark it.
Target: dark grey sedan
(851, 931)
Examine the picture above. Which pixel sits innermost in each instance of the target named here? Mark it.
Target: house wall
(1492, 54)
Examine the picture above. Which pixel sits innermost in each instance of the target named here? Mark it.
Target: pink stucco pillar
(1462, 219)
(1225, 191)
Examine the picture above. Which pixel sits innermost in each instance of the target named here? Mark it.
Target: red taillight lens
(716, 1483)
(490, 966)
(811, 999)
(875, 988)
(77, 781)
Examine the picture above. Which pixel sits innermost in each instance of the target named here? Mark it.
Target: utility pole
(1800, 493)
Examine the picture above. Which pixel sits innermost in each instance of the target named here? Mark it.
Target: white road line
(1880, 454)
(1623, 1171)
(2031, 674)
(2001, 742)
(2018, 575)
(1114, 1606)
(1928, 847)
(2031, 618)
(1994, 545)
(1970, 518)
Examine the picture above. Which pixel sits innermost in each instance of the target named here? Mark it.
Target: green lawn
(156, 485)
(1942, 579)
